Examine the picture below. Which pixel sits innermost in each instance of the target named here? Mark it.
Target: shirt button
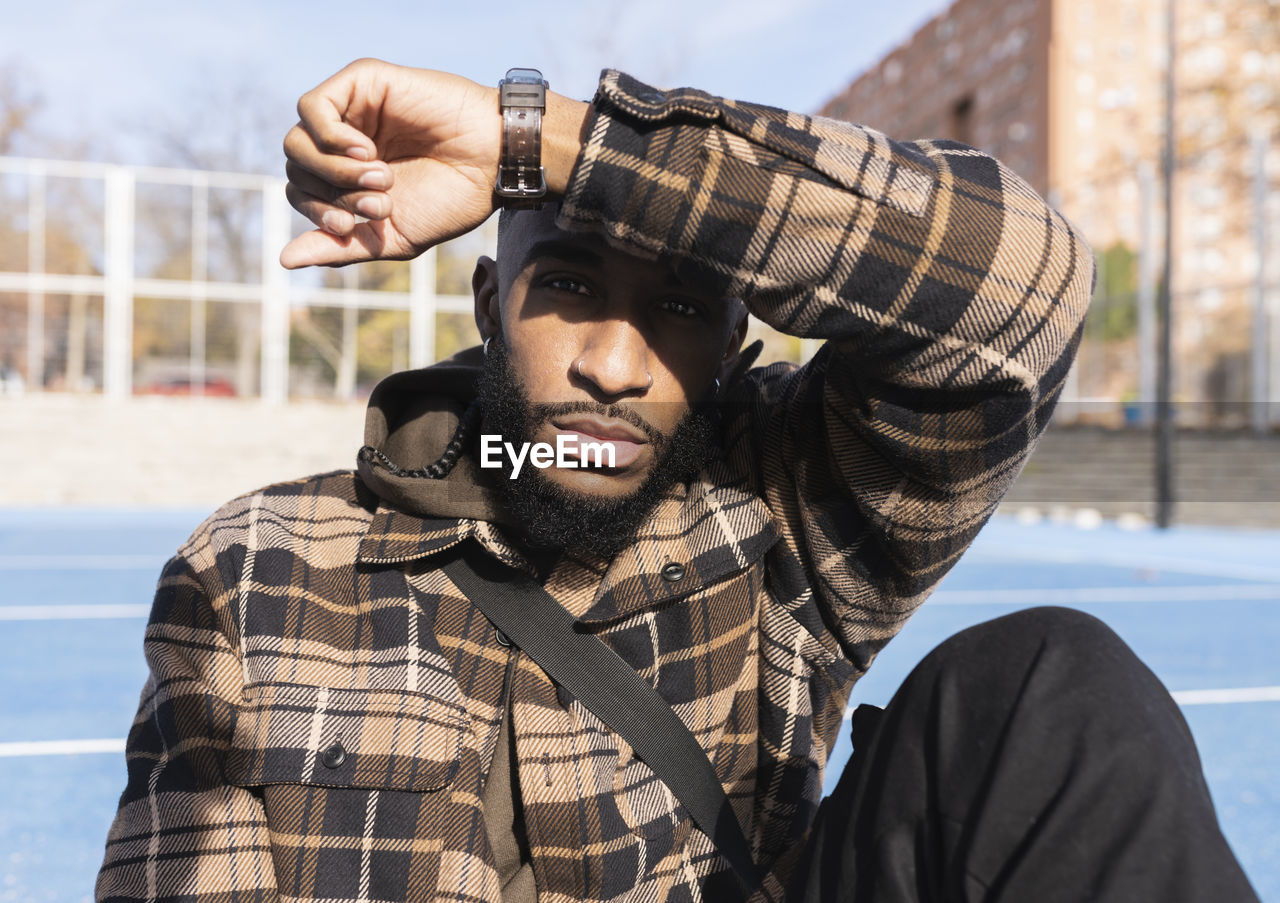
(673, 572)
(334, 755)
(501, 637)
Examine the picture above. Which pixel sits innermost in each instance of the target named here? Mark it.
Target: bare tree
(234, 127)
(18, 107)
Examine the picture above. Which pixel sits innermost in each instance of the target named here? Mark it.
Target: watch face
(524, 76)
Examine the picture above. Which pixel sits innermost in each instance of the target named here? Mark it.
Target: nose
(614, 360)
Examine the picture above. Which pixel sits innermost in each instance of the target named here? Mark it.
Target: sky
(112, 75)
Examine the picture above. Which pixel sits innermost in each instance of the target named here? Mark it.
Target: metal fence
(1225, 299)
(152, 279)
(132, 280)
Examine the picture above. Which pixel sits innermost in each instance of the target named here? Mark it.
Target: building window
(962, 120)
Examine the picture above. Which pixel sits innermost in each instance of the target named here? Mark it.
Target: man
(331, 718)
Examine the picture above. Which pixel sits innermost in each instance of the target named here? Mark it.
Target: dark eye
(681, 308)
(567, 284)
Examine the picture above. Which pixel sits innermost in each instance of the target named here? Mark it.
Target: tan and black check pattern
(324, 704)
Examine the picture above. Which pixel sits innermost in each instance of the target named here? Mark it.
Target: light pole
(1164, 374)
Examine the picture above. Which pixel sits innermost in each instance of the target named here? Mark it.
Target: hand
(414, 151)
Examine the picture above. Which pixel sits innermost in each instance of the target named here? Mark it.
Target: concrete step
(60, 449)
(1226, 479)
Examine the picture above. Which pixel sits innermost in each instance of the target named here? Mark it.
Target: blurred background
(155, 360)
(141, 214)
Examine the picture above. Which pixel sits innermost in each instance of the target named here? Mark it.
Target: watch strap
(522, 97)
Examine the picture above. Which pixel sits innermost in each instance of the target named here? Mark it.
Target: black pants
(1033, 759)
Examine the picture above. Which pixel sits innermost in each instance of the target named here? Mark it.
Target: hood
(411, 419)
(412, 416)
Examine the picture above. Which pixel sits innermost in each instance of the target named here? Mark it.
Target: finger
(337, 169)
(371, 204)
(327, 216)
(323, 113)
(318, 248)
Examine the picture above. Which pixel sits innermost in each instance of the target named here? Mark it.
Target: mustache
(541, 412)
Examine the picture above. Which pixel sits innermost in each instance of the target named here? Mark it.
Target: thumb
(320, 248)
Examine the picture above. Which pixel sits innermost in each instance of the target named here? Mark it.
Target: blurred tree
(230, 127)
(382, 336)
(71, 240)
(18, 106)
(1117, 292)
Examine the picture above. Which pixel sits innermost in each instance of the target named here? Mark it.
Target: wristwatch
(522, 182)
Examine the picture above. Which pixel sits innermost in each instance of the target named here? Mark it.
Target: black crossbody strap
(609, 687)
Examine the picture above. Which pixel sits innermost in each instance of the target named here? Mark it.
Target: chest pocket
(375, 739)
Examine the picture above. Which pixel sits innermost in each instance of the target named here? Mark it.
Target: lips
(599, 428)
(626, 440)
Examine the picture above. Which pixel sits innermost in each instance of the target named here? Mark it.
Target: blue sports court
(1200, 606)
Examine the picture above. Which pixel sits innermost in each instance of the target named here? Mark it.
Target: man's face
(590, 327)
(598, 346)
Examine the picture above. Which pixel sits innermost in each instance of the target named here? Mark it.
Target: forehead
(526, 236)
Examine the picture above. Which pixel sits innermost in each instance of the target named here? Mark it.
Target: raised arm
(950, 295)
(413, 152)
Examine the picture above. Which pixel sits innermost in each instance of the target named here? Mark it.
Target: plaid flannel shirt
(323, 704)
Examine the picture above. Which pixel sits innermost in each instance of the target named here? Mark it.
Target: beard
(554, 517)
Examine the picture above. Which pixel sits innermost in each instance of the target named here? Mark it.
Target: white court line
(71, 612)
(81, 562)
(1220, 593)
(1216, 697)
(116, 745)
(61, 747)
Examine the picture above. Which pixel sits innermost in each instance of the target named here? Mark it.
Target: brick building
(978, 73)
(1070, 94)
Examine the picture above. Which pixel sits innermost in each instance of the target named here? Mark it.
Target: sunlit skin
(560, 297)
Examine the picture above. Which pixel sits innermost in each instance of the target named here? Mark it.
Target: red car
(214, 386)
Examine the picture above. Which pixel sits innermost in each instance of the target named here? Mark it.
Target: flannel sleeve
(182, 831)
(950, 296)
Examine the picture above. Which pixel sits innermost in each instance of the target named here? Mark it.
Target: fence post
(35, 266)
(1164, 477)
(275, 293)
(1147, 258)
(1259, 372)
(117, 307)
(422, 309)
(199, 279)
(345, 383)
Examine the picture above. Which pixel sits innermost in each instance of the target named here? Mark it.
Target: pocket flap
(392, 739)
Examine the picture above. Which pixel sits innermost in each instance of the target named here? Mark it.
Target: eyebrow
(572, 252)
(560, 249)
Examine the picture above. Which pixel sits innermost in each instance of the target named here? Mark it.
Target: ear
(733, 346)
(484, 288)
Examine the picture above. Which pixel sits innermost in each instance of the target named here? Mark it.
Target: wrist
(564, 125)
(540, 136)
